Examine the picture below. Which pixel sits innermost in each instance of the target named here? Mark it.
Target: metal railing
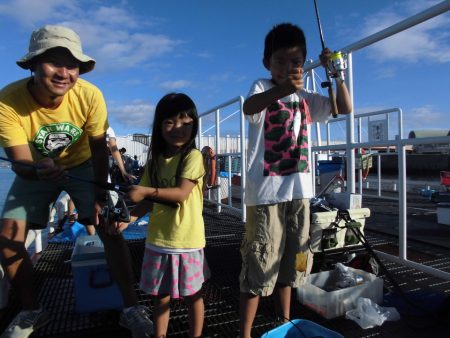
(350, 145)
(217, 196)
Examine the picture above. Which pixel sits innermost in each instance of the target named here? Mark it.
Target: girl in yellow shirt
(174, 264)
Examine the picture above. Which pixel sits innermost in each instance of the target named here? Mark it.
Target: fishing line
(105, 185)
(328, 83)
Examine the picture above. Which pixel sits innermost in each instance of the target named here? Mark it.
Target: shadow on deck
(221, 293)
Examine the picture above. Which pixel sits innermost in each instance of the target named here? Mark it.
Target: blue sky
(212, 50)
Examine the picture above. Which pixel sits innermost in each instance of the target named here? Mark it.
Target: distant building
(440, 148)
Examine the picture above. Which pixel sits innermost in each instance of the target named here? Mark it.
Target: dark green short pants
(31, 200)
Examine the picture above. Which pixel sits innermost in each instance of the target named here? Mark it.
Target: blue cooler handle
(100, 283)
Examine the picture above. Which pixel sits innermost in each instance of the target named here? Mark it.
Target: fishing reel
(337, 66)
(335, 69)
(117, 212)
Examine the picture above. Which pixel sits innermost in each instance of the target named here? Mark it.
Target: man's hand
(48, 170)
(121, 226)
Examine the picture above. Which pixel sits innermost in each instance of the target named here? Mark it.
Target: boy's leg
(248, 305)
(262, 245)
(196, 314)
(161, 314)
(283, 302)
(296, 220)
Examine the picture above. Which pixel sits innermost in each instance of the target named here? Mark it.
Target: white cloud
(177, 84)
(31, 13)
(111, 35)
(425, 42)
(114, 16)
(425, 117)
(135, 115)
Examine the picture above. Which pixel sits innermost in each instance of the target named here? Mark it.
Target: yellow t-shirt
(61, 133)
(183, 227)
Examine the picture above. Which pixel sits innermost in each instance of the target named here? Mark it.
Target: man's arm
(46, 169)
(22, 154)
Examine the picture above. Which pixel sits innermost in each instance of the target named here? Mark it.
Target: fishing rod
(104, 185)
(328, 83)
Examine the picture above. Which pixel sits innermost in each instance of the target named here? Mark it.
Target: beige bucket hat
(48, 37)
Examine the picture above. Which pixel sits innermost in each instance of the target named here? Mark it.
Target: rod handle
(332, 96)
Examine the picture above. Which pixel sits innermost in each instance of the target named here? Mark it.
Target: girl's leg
(161, 314)
(196, 309)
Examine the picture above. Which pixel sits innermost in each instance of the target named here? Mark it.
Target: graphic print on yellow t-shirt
(51, 140)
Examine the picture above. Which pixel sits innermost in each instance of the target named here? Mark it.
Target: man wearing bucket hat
(53, 125)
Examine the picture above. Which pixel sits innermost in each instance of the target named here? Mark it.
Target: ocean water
(6, 179)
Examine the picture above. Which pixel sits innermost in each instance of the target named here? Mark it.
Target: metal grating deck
(221, 293)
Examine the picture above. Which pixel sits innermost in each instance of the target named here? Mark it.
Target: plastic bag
(342, 278)
(369, 314)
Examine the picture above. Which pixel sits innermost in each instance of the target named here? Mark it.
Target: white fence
(227, 144)
(351, 145)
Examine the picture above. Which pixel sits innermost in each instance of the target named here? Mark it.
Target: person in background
(136, 166)
(174, 265)
(117, 157)
(275, 248)
(62, 210)
(53, 124)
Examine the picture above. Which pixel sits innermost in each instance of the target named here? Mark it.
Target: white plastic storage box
(322, 230)
(331, 304)
(94, 287)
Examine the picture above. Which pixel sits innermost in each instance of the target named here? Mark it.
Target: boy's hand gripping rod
(103, 185)
(328, 83)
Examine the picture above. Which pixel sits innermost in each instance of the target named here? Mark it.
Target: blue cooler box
(94, 287)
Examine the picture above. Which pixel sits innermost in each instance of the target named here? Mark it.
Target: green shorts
(31, 200)
(275, 235)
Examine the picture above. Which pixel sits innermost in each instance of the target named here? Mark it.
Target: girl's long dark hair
(169, 106)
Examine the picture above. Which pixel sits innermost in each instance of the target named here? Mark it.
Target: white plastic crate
(331, 304)
(324, 220)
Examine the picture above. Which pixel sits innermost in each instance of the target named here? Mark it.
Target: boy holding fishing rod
(275, 253)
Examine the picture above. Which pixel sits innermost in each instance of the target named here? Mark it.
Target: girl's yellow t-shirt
(61, 133)
(181, 227)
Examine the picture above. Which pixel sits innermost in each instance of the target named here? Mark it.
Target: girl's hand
(136, 193)
(325, 57)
